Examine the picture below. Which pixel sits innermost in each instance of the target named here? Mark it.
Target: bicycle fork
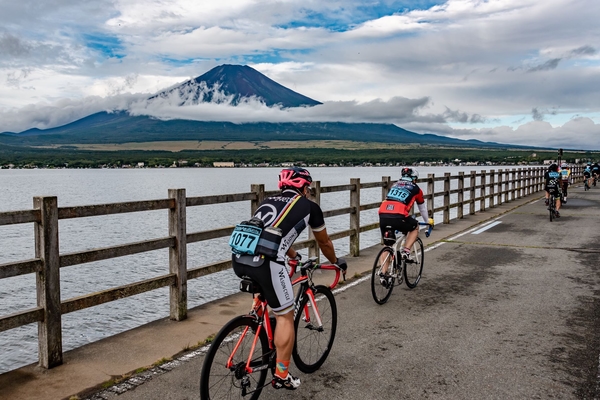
(312, 302)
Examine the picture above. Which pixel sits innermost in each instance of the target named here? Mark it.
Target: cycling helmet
(553, 167)
(294, 177)
(564, 165)
(411, 173)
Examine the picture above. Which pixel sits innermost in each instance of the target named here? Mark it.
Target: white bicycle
(390, 269)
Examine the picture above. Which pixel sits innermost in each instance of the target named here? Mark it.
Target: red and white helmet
(294, 177)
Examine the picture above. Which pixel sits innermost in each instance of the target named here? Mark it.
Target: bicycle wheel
(414, 267)
(313, 343)
(382, 290)
(551, 206)
(219, 382)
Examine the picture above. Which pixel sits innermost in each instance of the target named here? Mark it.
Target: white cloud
(492, 69)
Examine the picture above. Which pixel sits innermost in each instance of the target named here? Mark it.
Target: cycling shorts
(554, 190)
(272, 277)
(398, 222)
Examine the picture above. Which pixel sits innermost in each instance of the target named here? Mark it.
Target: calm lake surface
(18, 347)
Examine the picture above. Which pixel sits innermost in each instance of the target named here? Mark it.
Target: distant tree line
(74, 158)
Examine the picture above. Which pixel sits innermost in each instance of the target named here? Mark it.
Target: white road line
(472, 230)
(485, 228)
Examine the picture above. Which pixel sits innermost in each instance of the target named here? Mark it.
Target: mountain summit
(234, 84)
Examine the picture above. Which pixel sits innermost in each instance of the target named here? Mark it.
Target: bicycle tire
(380, 292)
(312, 344)
(551, 206)
(412, 270)
(218, 382)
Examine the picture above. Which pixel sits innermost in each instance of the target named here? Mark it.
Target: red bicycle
(243, 352)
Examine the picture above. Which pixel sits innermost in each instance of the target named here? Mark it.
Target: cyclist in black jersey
(291, 212)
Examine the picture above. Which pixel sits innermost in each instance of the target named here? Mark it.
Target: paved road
(511, 312)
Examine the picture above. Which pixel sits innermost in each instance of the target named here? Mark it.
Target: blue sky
(511, 71)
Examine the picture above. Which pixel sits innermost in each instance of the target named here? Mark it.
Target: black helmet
(553, 167)
(411, 173)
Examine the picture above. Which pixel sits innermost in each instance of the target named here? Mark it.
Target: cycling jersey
(552, 182)
(595, 169)
(291, 213)
(401, 197)
(395, 209)
(587, 172)
(565, 173)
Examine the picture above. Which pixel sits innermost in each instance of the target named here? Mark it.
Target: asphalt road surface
(508, 312)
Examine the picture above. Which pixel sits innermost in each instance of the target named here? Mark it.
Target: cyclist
(395, 209)
(565, 177)
(595, 172)
(291, 211)
(587, 175)
(552, 178)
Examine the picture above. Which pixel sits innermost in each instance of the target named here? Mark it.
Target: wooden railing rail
(460, 192)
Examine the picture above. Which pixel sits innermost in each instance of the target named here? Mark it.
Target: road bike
(398, 268)
(243, 352)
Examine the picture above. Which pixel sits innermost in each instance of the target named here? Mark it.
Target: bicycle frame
(260, 308)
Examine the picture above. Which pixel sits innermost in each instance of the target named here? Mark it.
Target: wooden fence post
(313, 250)
(431, 191)
(472, 184)
(461, 198)
(385, 186)
(513, 184)
(48, 282)
(482, 192)
(446, 197)
(492, 184)
(355, 217)
(500, 186)
(259, 189)
(519, 183)
(178, 255)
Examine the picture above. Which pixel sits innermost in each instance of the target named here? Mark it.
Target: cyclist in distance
(565, 177)
(552, 184)
(291, 211)
(395, 210)
(587, 174)
(595, 172)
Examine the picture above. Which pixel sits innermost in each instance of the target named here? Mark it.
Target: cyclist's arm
(423, 211)
(325, 245)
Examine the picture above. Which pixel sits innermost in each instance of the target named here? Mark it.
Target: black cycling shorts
(397, 222)
(272, 277)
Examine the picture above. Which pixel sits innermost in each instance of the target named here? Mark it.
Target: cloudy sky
(509, 71)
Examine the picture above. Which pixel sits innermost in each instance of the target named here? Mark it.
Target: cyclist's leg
(280, 297)
(411, 226)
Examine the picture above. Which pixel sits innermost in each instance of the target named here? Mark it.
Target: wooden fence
(485, 189)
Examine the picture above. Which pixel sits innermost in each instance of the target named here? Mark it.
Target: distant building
(223, 164)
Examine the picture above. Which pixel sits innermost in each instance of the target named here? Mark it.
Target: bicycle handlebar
(311, 265)
(428, 230)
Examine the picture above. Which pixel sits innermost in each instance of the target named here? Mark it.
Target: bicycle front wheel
(414, 267)
(383, 284)
(217, 381)
(313, 340)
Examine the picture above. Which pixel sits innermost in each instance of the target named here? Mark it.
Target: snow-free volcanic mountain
(233, 84)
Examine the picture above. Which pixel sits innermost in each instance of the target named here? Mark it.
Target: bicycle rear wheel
(313, 342)
(414, 267)
(219, 382)
(551, 205)
(382, 289)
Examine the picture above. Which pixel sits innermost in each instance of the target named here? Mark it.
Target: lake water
(18, 347)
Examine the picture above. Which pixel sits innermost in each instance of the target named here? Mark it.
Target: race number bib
(398, 194)
(244, 239)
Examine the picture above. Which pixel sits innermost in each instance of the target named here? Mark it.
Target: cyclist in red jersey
(396, 208)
